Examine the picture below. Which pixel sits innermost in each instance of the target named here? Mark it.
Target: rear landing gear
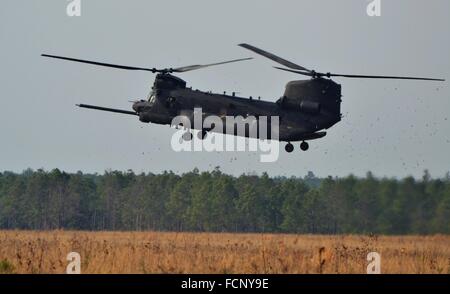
(289, 147)
(304, 146)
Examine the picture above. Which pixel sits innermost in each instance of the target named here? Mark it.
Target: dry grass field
(153, 252)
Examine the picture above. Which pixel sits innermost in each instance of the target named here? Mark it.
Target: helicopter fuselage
(306, 108)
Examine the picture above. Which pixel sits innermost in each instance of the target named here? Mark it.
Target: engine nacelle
(306, 106)
(314, 96)
(311, 107)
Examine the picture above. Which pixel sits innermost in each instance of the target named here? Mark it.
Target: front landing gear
(304, 146)
(289, 147)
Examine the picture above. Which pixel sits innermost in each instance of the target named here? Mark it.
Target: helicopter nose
(137, 106)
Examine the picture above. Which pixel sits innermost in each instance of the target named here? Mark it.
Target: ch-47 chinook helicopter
(305, 110)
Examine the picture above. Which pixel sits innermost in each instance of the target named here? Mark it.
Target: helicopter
(305, 110)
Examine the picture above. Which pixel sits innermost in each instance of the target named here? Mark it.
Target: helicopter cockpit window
(152, 97)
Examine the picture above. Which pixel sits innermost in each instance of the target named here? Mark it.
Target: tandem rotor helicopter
(305, 110)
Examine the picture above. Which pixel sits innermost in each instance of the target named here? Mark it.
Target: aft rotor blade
(274, 57)
(381, 77)
(107, 109)
(306, 73)
(320, 74)
(101, 63)
(198, 66)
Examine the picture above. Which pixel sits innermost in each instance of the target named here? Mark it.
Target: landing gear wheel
(304, 146)
(289, 147)
(202, 135)
(187, 136)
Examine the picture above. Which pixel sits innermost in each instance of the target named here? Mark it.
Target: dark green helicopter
(305, 110)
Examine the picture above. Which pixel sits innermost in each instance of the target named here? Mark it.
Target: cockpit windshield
(152, 96)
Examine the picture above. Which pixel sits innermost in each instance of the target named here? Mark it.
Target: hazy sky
(393, 128)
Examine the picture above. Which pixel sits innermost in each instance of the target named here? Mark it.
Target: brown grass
(153, 252)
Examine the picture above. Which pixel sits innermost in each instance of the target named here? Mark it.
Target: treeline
(213, 201)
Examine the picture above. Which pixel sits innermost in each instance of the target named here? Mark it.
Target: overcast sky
(393, 128)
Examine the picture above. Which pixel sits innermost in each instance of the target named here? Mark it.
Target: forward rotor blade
(101, 63)
(273, 57)
(107, 109)
(199, 66)
(320, 74)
